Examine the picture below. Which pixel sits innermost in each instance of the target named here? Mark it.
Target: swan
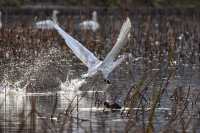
(0, 20)
(90, 24)
(43, 25)
(95, 65)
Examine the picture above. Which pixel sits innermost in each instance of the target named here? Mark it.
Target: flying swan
(95, 65)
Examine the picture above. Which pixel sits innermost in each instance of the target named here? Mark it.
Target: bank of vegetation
(104, 3)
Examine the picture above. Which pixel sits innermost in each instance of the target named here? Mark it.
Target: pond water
(41, 89)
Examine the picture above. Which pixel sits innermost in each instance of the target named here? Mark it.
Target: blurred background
(103, 3)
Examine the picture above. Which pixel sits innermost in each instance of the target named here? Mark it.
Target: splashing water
(7, 87)
(70, 88)
(72, 85)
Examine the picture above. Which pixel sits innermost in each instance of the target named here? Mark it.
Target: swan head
(55, 12)
(94, 16)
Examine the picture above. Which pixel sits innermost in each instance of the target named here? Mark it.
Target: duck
(90, 24)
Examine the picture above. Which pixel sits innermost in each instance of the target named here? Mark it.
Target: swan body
(90, 24)
(88, 58)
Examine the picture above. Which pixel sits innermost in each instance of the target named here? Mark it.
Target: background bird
(44, 25)
(90, 24)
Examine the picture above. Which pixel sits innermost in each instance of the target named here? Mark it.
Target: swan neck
(54, 17)
(94, 16)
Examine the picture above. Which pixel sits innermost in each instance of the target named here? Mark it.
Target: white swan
(95, 65)
(90, 24)
(0, 20)
(43, 25)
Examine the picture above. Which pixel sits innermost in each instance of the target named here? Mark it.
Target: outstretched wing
(78, 49)
(121, 41)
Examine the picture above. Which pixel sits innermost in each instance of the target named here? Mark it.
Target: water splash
(72, 85)
(70, 90)
(8, 87)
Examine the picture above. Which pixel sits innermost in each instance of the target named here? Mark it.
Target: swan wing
(121, 41)
(78, 49)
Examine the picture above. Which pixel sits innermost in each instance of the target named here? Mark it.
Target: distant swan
(43, 25)
(0, 20)
(95, 65)
(90, 24)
